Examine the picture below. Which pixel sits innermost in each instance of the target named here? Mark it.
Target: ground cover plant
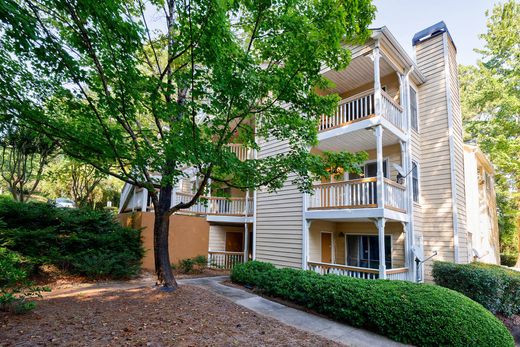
(418, 314)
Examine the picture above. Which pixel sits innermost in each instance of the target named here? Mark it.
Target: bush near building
(493, 286)
(15, 287)
(79, 241)
(418, 314)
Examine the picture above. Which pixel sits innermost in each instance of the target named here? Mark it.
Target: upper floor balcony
(357, 194)
(361, 107)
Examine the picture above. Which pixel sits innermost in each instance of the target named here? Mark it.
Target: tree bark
(163, 267)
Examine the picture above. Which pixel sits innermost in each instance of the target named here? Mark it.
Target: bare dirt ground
(191, 316)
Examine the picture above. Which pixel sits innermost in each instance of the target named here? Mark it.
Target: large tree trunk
(163, 267)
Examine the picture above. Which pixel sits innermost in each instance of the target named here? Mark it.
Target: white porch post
(246, 228)
(380, 173)
(381, 237)
(376, 55)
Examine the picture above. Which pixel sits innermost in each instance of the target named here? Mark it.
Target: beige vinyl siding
(436, 221)
(465, 251)
(279, 218)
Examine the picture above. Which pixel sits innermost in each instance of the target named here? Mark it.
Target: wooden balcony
(240, 151)
(209, 205)
(356, 194)
(361, 107)
(357, 272)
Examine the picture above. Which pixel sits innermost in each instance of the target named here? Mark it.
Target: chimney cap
(432, 31)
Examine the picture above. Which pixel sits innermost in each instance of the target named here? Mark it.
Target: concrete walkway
(299, 319)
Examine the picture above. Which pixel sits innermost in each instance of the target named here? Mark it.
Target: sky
(465, 20)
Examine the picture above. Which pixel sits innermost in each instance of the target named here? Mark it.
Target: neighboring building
(482, 220)
(408, 208)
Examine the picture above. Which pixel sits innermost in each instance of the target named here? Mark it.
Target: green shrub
(15, 288)
(495, 287)
(80, 241)
(193, 265)
(186, 265)
(201, 261)
(508, 259)
(418, 314)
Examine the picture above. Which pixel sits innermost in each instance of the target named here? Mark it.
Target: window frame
(388, 261)
(416, 200)
(417, 128)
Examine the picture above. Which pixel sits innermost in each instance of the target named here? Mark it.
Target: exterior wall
(279, 238)
(482, 220)
(217, 236)
(188, 236)
(440, 134)
(341, 229)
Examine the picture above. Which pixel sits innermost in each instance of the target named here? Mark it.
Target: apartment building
(409, 207)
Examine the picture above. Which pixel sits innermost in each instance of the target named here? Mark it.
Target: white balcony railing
(357, 193)
(224, 260)
(392, 111)
(240, 151)
(395, 195)
(336, 269)
(357, 272)
(197, 208)
(230, 206)
(349, 110)
(361, 106)
(217, 205)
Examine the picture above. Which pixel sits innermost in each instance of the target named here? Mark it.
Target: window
(363, 251)
(370, 170)
(413, 109)
(415, 181)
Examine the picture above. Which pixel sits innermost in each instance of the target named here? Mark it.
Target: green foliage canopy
(491, 103)
(141, 104)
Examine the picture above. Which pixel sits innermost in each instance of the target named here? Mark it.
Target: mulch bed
(191, 316)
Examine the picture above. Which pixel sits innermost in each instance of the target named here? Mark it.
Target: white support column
(376, 55)
(403, 86)
(305, 248)
(246, 227)
(246, 242)
(144, 203)
(380, 173)
(381, 237)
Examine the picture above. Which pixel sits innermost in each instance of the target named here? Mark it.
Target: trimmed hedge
(80, 241)
(418, 314)
(508, 259)
(495, 287)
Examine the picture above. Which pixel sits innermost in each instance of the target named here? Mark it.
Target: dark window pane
(413, 109)
(353, 250)
(415, 182)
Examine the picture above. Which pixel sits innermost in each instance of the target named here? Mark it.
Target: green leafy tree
(144, 104)
(24, 155)
(490, 97)
(85, 184)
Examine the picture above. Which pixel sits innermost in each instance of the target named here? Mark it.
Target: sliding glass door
(363, 251)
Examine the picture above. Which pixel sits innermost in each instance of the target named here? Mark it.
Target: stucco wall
(189, 236)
